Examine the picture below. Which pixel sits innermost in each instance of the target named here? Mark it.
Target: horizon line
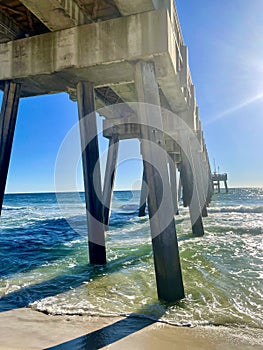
(117, 190)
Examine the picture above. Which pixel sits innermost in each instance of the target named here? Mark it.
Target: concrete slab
(103, 53)
(57, 14)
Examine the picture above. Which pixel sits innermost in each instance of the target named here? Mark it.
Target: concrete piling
(109, 178)
(173, 183)
(143, 196)
(8, 118)
(225, 182)
(191, 197)
(91, 172)
(164, 241)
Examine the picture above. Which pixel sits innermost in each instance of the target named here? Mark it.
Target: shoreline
(30, 329)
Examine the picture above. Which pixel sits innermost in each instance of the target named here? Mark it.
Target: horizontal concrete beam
(94, 45)
(127, 8)
(98, 45)
(56, 14)
(103, 52)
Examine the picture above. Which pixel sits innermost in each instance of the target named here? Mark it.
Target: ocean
(44, 260)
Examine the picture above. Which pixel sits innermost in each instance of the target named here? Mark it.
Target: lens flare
(235, 108)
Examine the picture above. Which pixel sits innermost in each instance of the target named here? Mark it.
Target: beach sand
(29, 329)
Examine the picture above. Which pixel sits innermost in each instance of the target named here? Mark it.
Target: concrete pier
(121, 52)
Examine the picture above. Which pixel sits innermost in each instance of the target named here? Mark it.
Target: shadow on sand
(106, 335)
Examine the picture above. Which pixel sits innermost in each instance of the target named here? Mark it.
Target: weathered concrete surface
(160, 205)
(127, 8)
(109, 178)
(103, 53)
(8, 117)
(91, 171)
(56, 14)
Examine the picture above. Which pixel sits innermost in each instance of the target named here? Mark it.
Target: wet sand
(29, 329)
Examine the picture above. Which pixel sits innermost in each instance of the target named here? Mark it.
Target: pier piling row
(125, 52)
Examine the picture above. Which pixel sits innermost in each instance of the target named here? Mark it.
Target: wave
(239, 209)
(159, 319)
(9, 207)
(48, 311)
(126, 209)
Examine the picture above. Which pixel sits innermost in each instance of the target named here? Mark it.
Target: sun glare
(236, 108)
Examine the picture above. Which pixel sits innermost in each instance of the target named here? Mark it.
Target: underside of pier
(103, 53)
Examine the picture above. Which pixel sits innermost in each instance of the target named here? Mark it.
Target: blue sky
(226, 59)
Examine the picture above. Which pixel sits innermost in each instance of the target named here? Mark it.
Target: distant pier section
(216, 178)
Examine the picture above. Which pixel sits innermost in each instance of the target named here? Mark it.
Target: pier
(216, 178)
(129, 55)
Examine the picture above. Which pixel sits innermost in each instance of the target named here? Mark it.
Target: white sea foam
(221, 270)
(236, 209)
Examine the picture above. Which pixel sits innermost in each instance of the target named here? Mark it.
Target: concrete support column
(173, 183)
(203, 174)
(143, 196)
(204, 211)
(179, 189)
(191, 197)
(164, 241)
(226, 186)
(91, 172)
(7, 128)
(109, 178)
(186, 182)
(210, 179)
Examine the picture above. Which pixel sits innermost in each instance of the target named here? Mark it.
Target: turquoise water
(44, 260)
